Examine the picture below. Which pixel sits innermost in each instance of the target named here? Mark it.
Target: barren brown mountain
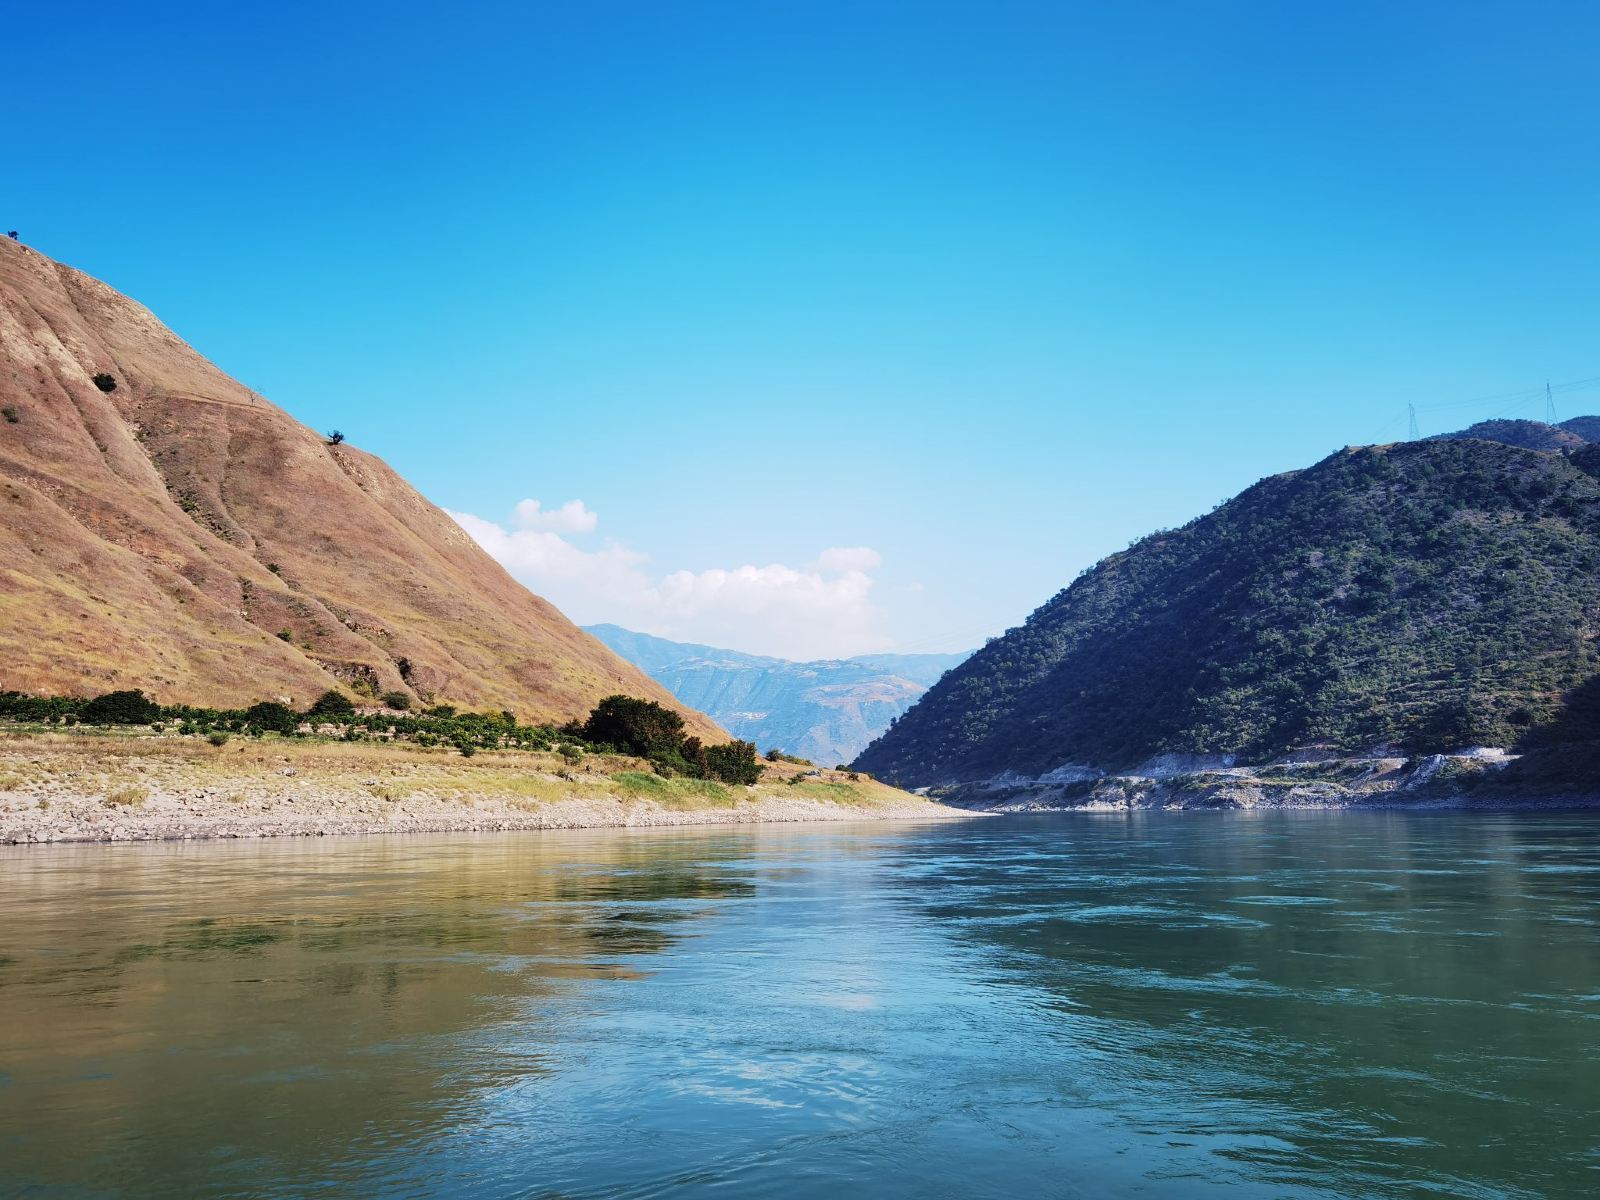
(163, 527)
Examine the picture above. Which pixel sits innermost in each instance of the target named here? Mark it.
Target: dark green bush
(399, 701)
(271, 717)
(695, 758)
(734, 762)
(121, 708)
(333, 705)
(635, 726)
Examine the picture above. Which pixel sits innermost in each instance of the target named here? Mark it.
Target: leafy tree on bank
(333, 705)
(634, 726)
(121, 708)
(735, 762)
(271, 717)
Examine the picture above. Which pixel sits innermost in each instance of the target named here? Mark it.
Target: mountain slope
(1530, 435)
(826, 711)
(1588, 428)
(165, 533)
(1431, 594)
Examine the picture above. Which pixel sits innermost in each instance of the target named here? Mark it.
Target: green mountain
(1426, 596)
(826, 711)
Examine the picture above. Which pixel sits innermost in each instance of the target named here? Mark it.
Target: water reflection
(282, 1006)
(1169, 1006)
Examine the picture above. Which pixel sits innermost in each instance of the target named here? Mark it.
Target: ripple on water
(1177, 1008)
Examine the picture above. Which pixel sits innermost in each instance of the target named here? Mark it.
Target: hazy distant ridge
(827, 711)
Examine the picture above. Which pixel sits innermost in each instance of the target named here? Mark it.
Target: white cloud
(571, 517)
(820, 611)
(850, 558)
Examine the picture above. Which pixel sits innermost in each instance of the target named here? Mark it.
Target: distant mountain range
(826, 711)
(1425, 596)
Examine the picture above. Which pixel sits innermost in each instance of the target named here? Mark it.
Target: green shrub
(106, 383)
(217, 737)
(121, 708)
(9, 412)
(399, 701)
(271, 717)
(333, 705)
(635, 726)
(695, 758)
(734, 762)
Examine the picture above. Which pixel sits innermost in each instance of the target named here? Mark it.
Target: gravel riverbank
(60, 788)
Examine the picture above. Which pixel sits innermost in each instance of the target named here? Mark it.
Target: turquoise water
(1186, 1005)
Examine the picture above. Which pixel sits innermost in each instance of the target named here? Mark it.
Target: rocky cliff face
(825, 711)
(163, 527)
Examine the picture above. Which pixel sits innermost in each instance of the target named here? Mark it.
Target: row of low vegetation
(618, 725)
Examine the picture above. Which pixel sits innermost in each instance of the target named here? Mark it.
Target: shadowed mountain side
(1427, 595)
(163, 527)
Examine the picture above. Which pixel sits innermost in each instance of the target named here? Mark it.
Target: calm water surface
(1279, 1005)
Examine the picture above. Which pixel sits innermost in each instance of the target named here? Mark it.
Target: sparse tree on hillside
(335, 437)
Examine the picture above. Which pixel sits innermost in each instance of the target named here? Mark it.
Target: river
(1155, 1005)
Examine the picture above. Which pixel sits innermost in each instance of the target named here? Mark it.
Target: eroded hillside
(168, 529)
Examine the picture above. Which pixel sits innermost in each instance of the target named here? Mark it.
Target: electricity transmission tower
(1549, 404)
(1411, 411)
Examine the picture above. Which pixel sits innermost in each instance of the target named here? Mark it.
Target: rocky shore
(1476, 777)
(60, 788)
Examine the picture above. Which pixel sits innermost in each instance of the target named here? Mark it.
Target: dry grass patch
(128, 796)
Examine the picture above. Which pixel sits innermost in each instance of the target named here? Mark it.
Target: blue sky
(911, 310)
